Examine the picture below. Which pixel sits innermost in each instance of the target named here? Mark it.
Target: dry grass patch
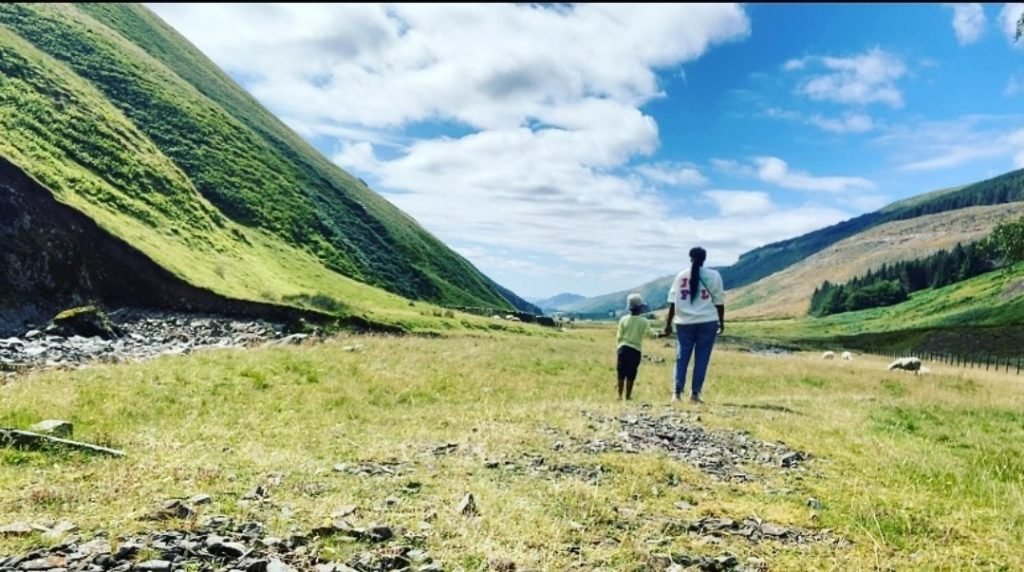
(918, 472)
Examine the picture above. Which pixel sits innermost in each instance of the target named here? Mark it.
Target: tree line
(893, 283)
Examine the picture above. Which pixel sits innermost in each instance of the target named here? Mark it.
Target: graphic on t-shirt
(684, 291)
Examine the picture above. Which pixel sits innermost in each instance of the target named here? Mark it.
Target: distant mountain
(756, 297)
(108, 112)
(787, 293)
(654, 292)
(556, 303)
(763, 261)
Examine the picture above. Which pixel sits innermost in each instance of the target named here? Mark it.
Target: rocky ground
(221, 544)
(143, 334)
(721, 454)
(177, 540)
(218, 543)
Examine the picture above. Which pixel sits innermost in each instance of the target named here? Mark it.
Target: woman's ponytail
(697, 257)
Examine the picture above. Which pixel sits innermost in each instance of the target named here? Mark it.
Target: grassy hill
(793, 255)
(123, 120)
(980, 315)
(771, 258)
(787, 293)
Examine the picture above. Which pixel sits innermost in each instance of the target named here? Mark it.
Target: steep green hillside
(771, 258)
(788, 293)
(918, 199)
(984, 309)
(125, 121)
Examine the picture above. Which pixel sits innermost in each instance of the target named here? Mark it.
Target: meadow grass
(918, 472)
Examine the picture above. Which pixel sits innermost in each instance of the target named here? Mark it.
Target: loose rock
(17, 529)
(142, 334)
(467, 506)
(717, 453)
(220, 544)
(54, 427)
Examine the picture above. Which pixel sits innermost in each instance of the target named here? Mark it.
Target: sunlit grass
(919, 472)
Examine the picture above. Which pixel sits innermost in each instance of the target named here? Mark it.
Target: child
(630, 338)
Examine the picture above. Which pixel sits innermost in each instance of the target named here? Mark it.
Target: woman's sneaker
(696, 399)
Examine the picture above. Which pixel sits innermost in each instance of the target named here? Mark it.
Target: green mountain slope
(767, 260)
(654, 292)
(787, 293)
(771, 258)
(124, 120)
(983, 314)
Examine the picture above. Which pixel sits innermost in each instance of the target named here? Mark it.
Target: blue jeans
(698, 339)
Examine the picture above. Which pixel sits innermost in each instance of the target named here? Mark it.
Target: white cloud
(672, 174)
(846, 123)
(582, 218)
(529, 196)
(357, 157)
(795, 64)
(777, 172)
(741, 203)
(733, 167)
(779, 113)
(487, 66)
(968, 22)
(951, 156)
(1014, 86)
(936, 145)
(532, 115)
(861, 80)
(1008, 18)
(849, 123)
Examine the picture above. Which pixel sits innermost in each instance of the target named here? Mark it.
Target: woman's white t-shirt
(710, 293)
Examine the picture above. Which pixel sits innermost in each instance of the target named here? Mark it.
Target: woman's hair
(697, 257)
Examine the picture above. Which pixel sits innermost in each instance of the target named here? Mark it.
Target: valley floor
(793, 464)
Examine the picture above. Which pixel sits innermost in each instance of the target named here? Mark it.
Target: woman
(696, 305)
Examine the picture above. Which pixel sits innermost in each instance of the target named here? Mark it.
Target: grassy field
(990, 302)
(919, 473)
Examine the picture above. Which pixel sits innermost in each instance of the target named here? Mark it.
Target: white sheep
(908, 363)
(847, 356)
(828, 355)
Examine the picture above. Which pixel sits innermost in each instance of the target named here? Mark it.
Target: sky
(587, 148)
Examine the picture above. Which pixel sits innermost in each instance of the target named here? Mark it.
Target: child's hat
(634, 300)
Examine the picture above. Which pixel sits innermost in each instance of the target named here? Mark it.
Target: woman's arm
(668, 320)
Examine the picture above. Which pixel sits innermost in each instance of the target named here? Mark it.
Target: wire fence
(979, 360)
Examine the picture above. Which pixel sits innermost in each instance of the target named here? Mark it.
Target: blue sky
(587, 148)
